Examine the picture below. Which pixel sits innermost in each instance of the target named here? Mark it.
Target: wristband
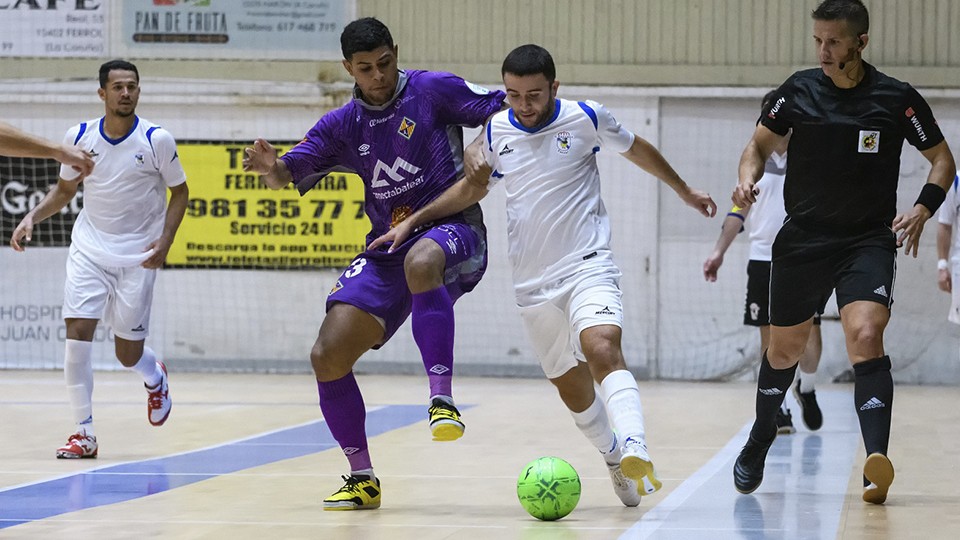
(932, 197)
(942, 264)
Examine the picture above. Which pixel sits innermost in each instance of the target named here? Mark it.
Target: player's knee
(783, 357)
(605, 357)
(424, 268)
(866, 334)
(326, 365)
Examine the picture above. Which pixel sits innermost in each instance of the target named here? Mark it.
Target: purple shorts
(375, 280)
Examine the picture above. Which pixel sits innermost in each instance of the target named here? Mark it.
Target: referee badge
(869, 142)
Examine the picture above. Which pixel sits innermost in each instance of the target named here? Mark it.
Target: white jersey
(766, 216)
(124, 199)
(555, 217)
(948, 216)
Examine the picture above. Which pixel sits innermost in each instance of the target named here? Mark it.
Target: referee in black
(842, 230)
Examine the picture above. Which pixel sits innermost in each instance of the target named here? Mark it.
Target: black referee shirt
(845, 149)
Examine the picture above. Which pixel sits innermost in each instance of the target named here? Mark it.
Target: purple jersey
(408, 151)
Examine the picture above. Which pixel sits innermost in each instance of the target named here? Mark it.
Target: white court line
(804, 496)
(654, 518)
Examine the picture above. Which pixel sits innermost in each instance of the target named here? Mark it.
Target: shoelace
(155, 398)
(352, 484)
(620, 479)
(448, 410)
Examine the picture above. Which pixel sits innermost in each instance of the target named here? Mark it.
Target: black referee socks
(873, 397)
(772, 387)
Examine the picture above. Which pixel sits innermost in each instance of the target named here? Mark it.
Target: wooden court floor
(247, 456)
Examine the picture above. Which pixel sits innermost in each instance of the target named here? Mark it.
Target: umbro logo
(882, 291)
(139, 328)
(604, 311)
(873, 403)
(350, 450)
(439, 369)
(506, 150)
(364, 149)
(770, 391)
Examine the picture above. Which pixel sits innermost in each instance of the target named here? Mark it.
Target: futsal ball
(548, 488)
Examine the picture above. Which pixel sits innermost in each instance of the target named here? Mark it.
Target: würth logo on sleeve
(916, 123)
(776, 107)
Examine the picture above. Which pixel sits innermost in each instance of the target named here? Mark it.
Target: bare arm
(179, 196)
(732, 225)
(752, 161)
(262, 158)
(53, 202)
(944, 234)
(17, 143)
(910, 223)
(644, 155)
(456, 198)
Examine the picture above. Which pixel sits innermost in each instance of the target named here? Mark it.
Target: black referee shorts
(809, 265)
(756, 312)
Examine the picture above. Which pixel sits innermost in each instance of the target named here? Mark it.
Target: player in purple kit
(402, 134)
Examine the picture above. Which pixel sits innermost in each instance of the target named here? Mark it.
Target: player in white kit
(543, 150)
(948, 248)
(120, 238)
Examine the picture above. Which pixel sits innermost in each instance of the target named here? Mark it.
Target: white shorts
(122, 297)
(554, 326)
(954, 314)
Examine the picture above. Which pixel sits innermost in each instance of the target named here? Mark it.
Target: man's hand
(745, 194)
(700, 201)
(944, 281)
(909, 225)
(159, 256)
(711, 266)
(396, 235)
(475, 166)
(259, 158)
(22, 233)
(75, 157)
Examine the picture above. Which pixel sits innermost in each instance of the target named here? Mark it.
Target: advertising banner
(244, 29)
(60, 29)
(234, 221)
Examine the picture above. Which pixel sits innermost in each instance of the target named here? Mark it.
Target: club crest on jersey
(869, 142)
(138, 158)
(406, 127)
(399, 214)
(336, 287)
(564, 140)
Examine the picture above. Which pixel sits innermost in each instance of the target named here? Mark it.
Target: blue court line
(802, 495)
(128, 481)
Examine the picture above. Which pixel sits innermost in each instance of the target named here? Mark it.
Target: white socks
(595, 425)
(807, 381)
(78, 373)
(148, 368)
(622, 395)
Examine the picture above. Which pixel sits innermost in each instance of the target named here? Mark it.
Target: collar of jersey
(401, 84)
(867, 78)
(521, 127)
(136, 122)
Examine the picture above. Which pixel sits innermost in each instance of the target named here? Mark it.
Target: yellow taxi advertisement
(234, 221)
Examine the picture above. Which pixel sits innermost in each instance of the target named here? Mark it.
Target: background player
(763, 220)
(120, 238)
